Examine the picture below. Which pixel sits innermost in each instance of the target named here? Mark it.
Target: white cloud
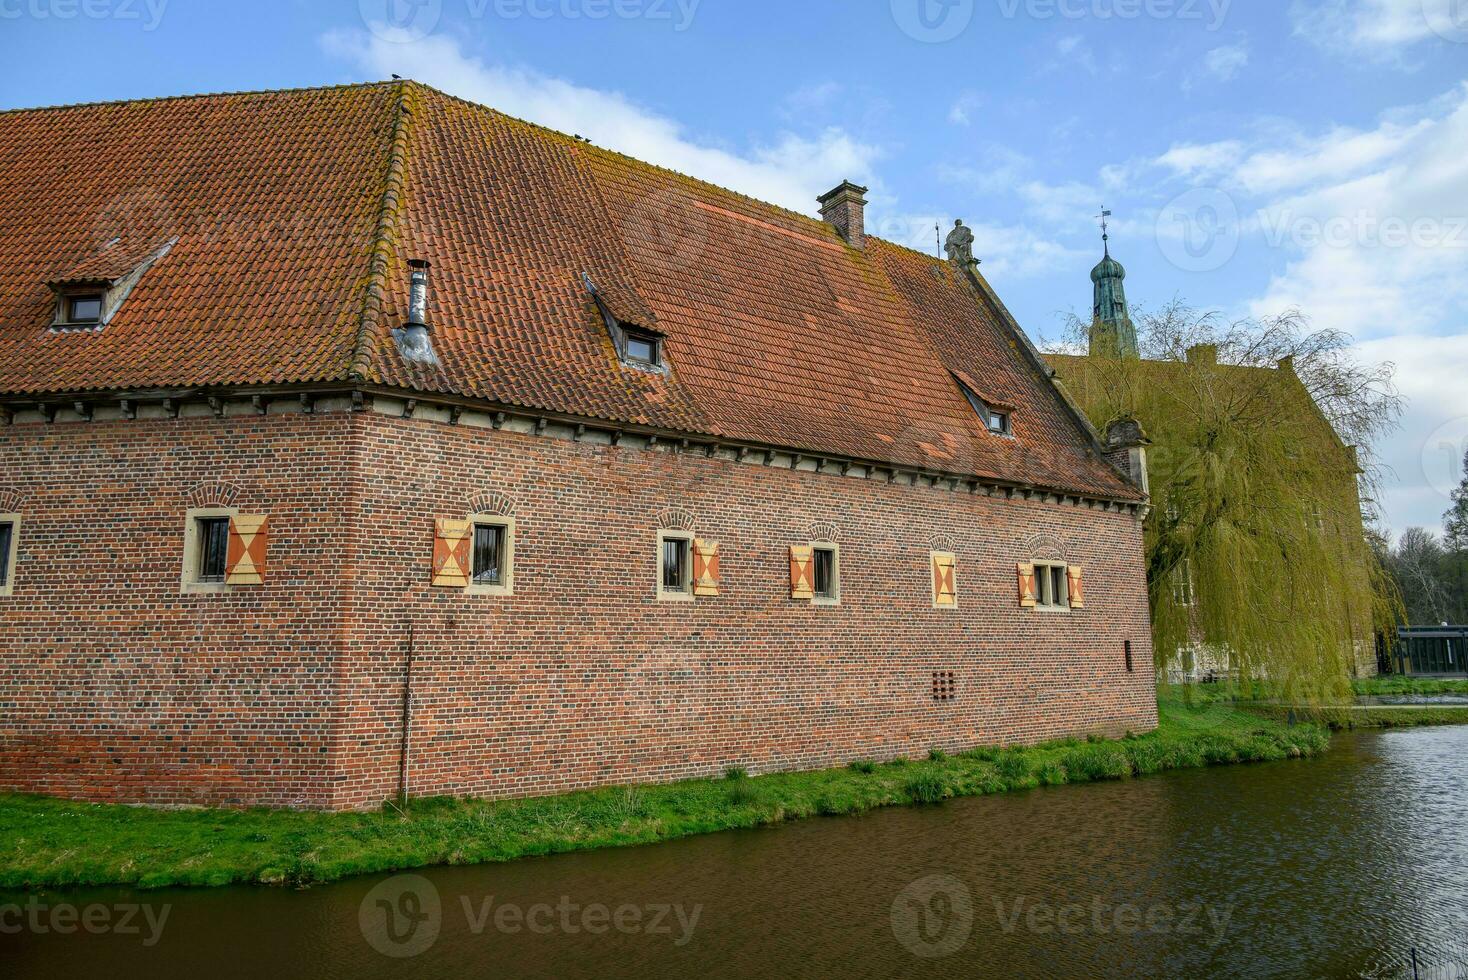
(1188, 159)
(1375, 28)
(961, 113)
(1224, 63)
(1420, 457)
(789, 170)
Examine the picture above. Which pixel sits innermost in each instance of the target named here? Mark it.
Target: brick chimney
(843, 207)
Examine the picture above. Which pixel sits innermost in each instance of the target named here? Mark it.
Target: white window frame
(12, 559)
(667, 595)
(1045, 587)
(189, 583)
(506, 585)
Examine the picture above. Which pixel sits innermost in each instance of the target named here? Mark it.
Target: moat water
(1339, 866)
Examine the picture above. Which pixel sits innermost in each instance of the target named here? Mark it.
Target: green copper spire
(1112, 332)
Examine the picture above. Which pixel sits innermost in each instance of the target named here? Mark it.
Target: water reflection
(1328, 867)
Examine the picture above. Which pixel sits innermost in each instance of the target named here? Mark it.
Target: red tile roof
(295, 214)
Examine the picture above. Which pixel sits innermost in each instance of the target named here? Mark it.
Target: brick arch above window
(824, 531)
(1046, 546)
(942, 542)
(213, 493)
(491, 502)
(11, 500)
(676, 519)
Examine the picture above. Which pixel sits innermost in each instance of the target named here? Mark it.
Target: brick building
(363, 439)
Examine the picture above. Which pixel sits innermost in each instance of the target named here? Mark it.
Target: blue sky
(1258, 154)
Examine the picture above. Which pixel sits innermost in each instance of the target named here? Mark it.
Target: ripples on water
(1332, 867)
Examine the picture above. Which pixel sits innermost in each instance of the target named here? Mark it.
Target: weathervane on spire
(1105, 237)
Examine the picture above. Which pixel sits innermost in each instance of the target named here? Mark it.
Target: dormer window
(637, 344)
(89, 294)
(84, 308)
(995, 418)
(642, 347)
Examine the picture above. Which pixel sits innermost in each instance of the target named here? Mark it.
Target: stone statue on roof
(960, 244)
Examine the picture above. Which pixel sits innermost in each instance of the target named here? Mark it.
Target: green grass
(54, 843)
(1345, 719)
(1408, 685)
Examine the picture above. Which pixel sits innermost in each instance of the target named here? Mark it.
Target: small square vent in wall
(945, 686)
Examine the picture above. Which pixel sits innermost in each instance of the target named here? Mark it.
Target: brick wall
(118, 687)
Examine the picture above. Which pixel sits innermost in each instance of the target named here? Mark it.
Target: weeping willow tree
(1261, 457)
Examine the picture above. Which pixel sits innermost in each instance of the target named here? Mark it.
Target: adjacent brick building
(364, 440)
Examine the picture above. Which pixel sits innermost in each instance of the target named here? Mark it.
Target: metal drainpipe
(407, 719)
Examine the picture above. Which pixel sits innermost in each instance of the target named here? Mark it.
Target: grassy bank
(1390, 685)
(1373, 716)
(53, 843)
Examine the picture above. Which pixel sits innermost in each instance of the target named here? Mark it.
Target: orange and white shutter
(705, 568)
(244, 561)
(1073, 583)
(451, 539)
(945, 580)
(1026, 584)
(802, 583)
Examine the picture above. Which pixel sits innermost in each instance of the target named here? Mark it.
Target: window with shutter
(1026, 584)
(1073, 579)
(245, 562)
(451, 552)
(802, 585)
(705, 568)
(675, 566)
(945, 580)
(491, 555)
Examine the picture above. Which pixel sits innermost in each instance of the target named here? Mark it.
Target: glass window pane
(489, 540)
(213, 548)
(675, 556)
(641, 348)
(5, 531)
(85, 308)
(824, 569)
